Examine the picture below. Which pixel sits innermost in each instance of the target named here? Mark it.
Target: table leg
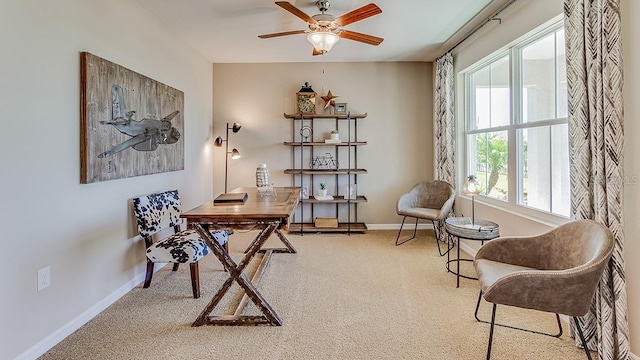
(235, 274)
(289, 249)
(458, 264)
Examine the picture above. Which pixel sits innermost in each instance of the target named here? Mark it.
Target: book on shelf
(332, 141)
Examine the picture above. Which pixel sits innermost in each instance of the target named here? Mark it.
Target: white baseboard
(50, 341)
(407, 226)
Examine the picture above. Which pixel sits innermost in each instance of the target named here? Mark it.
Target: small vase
(262, 176)
(323, 193)
(335, 136)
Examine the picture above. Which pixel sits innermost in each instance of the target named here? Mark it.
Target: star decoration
(329, 100)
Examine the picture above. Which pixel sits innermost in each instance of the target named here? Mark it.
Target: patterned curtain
(444, 121)
(444, 126)
(594, 76)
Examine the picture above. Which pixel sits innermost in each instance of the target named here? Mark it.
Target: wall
(83, 232)
(631, 52)
(519, 19)
(399, 127)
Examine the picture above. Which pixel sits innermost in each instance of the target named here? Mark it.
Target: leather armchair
(556, 272)
(428, 200)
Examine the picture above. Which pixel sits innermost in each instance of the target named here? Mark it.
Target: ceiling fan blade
(358, 14)
(295, 32)
(364, 38)
(295, 11)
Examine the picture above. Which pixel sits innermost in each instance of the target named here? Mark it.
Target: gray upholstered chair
(160, 211)
(428, 200)
(556, 272)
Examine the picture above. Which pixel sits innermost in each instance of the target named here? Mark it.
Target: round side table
(465, 228)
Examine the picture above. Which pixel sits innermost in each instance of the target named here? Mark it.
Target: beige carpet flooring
(340, 297)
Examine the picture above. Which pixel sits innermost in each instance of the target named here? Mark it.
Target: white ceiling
(226, 31)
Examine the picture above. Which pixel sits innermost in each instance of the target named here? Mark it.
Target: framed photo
(341, 108)
(350, 192)
(304, 193)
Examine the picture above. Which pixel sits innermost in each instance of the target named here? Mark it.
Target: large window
(516, 124)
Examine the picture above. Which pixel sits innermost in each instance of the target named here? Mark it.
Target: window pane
(561, 77)
(492, 96)
(545, 174)
(536, 148)
(561, 190)
(539, 80)
(488, 161)
(481, 87)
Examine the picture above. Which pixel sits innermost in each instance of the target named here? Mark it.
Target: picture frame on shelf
(341, 108)
(350, 192)
(304, 193)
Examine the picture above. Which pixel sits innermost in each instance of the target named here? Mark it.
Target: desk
(269, 214)
(461, 227)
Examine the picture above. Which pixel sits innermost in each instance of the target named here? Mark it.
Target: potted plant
(335, 135)
(323, 189)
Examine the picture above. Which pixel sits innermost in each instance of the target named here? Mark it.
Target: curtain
(444, 127)
(594, 77)
(444, 121)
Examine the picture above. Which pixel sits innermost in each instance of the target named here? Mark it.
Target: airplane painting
(130, 124)
(146, 134)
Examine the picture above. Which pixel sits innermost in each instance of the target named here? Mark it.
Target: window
(516, 115)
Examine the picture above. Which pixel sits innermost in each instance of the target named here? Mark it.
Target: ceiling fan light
(322, 40)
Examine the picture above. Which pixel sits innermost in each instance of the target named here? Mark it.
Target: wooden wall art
(130, 125)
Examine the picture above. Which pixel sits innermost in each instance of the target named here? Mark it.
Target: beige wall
(399, 127)
(517, 21)
(83, 232)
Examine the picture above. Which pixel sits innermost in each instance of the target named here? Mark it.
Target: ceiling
(226, 31)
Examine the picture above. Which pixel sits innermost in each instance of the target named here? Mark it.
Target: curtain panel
(595, 83)
(444, 127)
(444, 120)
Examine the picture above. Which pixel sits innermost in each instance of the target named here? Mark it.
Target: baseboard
(407, 226)
(50, 341)
(634, 357)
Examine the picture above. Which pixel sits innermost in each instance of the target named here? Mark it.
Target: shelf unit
(347, 173)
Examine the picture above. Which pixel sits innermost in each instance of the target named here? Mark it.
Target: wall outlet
(44, 278)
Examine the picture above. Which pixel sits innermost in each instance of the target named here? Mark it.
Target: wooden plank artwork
(130, 125)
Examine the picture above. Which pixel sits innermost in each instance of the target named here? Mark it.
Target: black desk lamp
(235, 154)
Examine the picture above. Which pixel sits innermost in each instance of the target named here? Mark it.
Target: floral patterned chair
(160, 211)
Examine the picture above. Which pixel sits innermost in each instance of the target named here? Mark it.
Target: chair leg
(195, 279)
(517, 328)
(584, 342)
(175, 267)
(436, 230)
(149, 275)
(399, 231)
(493, 322)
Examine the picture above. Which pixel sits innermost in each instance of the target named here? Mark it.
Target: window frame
(514, 158)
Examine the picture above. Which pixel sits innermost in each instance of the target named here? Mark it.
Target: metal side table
(464, 228)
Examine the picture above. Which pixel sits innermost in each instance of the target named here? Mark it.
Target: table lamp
(472, 187)
(235, 154)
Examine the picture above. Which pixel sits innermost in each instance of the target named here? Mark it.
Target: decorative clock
(306, 99)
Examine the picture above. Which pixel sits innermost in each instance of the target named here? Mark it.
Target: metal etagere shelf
(304, 175)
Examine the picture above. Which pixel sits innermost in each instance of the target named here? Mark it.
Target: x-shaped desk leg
(235, 274)
(287, 249)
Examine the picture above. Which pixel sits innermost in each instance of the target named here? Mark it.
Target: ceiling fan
(325, 29)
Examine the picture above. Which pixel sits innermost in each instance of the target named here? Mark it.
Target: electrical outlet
(44, 278)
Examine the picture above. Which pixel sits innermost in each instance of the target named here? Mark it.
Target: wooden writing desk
(269, 214)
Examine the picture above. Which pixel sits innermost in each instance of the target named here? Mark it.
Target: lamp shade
(235, 154)
(236, 127)
(322, 40)
(471, 186)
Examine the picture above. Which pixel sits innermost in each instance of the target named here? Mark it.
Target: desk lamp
(235, 154)
(472, 187)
